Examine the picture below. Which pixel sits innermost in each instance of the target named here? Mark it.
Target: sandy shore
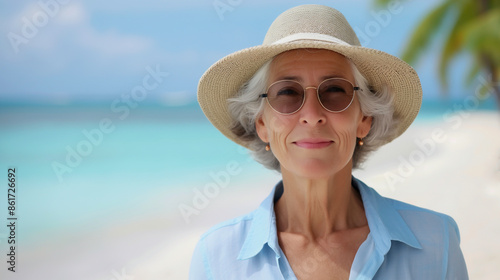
(451, 167)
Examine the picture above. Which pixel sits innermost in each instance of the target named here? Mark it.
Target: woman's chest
(324, 259)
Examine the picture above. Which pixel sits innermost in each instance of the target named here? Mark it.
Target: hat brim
(224, 78)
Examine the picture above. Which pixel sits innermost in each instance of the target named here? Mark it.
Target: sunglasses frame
(265, 95)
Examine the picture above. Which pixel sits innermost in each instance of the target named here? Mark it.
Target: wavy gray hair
(247, 106)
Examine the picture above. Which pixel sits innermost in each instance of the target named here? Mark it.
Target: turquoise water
(150, 152)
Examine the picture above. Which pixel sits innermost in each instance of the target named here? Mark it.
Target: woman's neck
(316, 208)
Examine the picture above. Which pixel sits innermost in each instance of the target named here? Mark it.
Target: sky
(62, 51)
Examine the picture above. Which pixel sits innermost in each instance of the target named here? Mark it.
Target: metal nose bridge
(304, 96)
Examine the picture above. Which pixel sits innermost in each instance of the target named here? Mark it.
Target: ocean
(86, 165)
(73, 172)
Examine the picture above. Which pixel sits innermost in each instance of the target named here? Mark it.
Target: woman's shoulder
(415, 217)
(229, 229)
(237, 249)
(235, 230)
(419, 217)
(424, 242)
(219, 248)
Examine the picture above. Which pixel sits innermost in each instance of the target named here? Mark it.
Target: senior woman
(311, 103)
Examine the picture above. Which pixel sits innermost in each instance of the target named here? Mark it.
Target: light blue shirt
(405, 242)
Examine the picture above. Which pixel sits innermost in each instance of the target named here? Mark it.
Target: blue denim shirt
(405, 242)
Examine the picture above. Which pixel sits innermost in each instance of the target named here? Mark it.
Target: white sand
(459, 176)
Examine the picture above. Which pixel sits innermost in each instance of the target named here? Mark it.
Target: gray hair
(247, 106)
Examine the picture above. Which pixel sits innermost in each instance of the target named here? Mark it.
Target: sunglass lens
(336, 94)
(285, 96)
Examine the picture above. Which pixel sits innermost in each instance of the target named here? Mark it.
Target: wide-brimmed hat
(309, 26)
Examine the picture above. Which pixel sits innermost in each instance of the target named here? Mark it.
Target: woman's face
(312, 142)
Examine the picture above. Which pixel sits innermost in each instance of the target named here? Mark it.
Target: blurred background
(113, 155)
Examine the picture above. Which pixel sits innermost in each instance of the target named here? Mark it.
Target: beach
(450, 165)
(111, 167)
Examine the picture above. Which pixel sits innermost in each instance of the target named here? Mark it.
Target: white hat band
(310, 36)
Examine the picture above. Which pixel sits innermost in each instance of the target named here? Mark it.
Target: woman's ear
(261, 128)
(364, 127)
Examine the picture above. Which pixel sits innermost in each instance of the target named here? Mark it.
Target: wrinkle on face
(310, 67)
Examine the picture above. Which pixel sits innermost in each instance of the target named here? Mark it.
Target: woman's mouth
(313, 143)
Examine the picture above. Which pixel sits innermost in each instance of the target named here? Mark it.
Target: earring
(360, 142)
(268, 147)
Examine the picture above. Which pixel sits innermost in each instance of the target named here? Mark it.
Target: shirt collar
(384, 221)
(263, 227)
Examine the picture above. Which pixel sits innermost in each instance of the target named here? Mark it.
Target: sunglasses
(288, 96)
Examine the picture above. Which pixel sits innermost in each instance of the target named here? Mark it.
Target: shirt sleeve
(199, 269)
(456, 267)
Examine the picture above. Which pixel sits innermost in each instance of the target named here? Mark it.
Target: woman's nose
(312, 112)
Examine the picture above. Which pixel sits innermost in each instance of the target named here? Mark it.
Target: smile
(313, 143)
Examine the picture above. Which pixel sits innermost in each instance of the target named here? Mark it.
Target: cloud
(111, 43)
(68, 29)
(73, 14)
(108, 43)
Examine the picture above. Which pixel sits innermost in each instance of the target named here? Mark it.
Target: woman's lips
(313, 143)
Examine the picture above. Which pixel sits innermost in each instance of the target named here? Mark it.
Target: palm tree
(470, 26)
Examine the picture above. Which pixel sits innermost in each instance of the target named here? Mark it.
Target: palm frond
(426, 30)
(382, 3)
(454, 43)
(482, 35)
(474, 70)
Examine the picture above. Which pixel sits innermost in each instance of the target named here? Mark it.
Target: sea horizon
(82, 154)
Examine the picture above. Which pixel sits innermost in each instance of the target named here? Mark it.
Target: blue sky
(97, 50)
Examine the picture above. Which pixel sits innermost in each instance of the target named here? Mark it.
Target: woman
(311, 103)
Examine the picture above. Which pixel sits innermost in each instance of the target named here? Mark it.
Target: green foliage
(455, 43)
(474, 71)
(470, 26)
(426, 30)
(483, 35)
(382, 3)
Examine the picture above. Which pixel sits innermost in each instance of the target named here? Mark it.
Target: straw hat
(308, 26)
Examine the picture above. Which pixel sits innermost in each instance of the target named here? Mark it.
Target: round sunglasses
(288, 96)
